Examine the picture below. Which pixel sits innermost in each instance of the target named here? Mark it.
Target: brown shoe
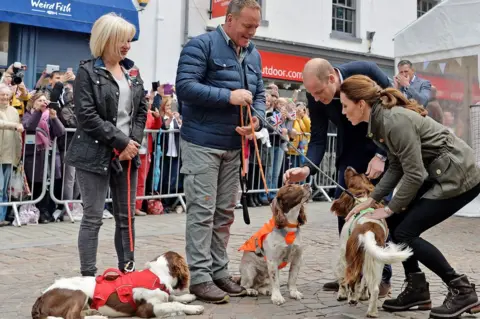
(209, 292)
(385, 290)
(230, 287)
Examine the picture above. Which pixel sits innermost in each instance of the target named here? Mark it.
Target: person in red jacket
(154, 122)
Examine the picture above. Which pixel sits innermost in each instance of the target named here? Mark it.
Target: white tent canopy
(450, 30)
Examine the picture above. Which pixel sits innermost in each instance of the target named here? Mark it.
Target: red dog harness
(255, 243)
(123, 285)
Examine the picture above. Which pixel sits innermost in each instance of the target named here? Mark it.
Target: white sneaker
(107, 214)
(179, 209)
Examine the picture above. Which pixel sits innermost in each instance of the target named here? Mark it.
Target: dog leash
(243, 172)
(265, 122)
(129, 208)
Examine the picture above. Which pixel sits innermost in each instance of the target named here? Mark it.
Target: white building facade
(292, 32)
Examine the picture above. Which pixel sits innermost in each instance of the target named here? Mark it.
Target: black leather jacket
(96, 96)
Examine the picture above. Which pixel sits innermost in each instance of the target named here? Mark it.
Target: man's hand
(130, 151)
(375, 168)
(295, 175)
(19, 128)
(403, 81)
(241, 97)
(246, 130)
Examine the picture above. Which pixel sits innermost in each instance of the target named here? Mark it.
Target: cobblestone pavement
(31, 257)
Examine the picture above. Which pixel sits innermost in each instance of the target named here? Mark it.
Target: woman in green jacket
(437, 175)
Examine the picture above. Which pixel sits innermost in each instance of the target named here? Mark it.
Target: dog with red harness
(148, 293)
(275, 245)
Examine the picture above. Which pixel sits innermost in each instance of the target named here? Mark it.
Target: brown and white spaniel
(363, 248)
(275, 245)
(146, 294)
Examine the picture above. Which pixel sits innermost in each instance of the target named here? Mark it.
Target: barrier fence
(42, 178)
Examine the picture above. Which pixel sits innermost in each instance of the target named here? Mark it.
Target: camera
(18, 73)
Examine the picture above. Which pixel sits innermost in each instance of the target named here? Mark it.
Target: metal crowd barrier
(167, 183)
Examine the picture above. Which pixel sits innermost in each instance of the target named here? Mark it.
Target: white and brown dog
(275, 245)
(146, 294)
(363, 249)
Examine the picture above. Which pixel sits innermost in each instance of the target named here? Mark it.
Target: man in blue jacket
(322, 82)
(217, 73)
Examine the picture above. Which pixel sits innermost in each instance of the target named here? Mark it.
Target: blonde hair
(108, 31)
(361, 87)
(165, 101)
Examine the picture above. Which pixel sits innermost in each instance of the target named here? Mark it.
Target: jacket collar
(223, 34)
(126, 63)
(376, 128)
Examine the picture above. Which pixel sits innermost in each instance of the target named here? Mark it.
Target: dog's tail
(390, 254)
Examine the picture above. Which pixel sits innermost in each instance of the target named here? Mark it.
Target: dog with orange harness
(275, 245)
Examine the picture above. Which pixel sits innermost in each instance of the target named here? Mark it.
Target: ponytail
(391, 97)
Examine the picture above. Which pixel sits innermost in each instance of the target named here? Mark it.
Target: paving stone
(32, 257)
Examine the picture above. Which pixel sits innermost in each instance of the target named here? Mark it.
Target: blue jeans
(387, 269)
(5, 173)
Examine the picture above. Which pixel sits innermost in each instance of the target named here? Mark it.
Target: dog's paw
(252, 292)
(264, 291)
(90, 312)
(341, 296)
(96, 317)
(372, 314)
(277, 299)
(193, 310)
(295, 294)
(186, 298)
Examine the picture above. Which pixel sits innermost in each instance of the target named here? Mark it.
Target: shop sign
(282, 66)
(52, 7)
(219, 8)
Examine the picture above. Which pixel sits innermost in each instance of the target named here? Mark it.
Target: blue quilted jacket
(208, 70)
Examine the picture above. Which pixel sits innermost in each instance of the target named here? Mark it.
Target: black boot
(256, 200)
(416, 293)
(461, 298)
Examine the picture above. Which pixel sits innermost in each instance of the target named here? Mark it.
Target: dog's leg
(277, 298)
(373, 283)
(354, 296)
(342, 294)
(167, 308)
(293, 274)
(248, 274)
(186, 298)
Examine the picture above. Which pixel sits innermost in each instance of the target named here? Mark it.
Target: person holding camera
(111, 111)
(13, 78)
(40, 119)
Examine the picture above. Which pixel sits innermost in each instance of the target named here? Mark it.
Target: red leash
(130, 231)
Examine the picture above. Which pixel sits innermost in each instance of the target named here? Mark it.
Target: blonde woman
(10, 145)
(111, 112)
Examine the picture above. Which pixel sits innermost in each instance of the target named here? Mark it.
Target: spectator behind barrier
(10, 146)
(20, 93)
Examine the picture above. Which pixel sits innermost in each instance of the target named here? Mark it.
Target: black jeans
(94, 188)
(406, 227)
(387, 269)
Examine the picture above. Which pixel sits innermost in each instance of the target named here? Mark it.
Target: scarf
(42, 135)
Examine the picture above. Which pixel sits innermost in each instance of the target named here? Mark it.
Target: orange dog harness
(255, 243)
(123, 285)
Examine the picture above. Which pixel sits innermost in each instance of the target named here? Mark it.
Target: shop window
(425, 5)
(344, 16)
(4, 35)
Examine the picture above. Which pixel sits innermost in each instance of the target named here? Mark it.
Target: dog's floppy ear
(302, 218)
(280, 219)
(349, 173)
(342, 206)
(178, 268)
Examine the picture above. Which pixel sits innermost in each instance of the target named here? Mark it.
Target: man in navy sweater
(322, 82)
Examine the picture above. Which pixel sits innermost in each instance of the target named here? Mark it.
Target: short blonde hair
(110, 29)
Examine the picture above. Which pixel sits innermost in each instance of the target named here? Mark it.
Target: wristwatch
(381, 157)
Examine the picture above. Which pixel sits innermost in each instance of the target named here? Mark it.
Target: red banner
(282, 66)
(219, 8)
